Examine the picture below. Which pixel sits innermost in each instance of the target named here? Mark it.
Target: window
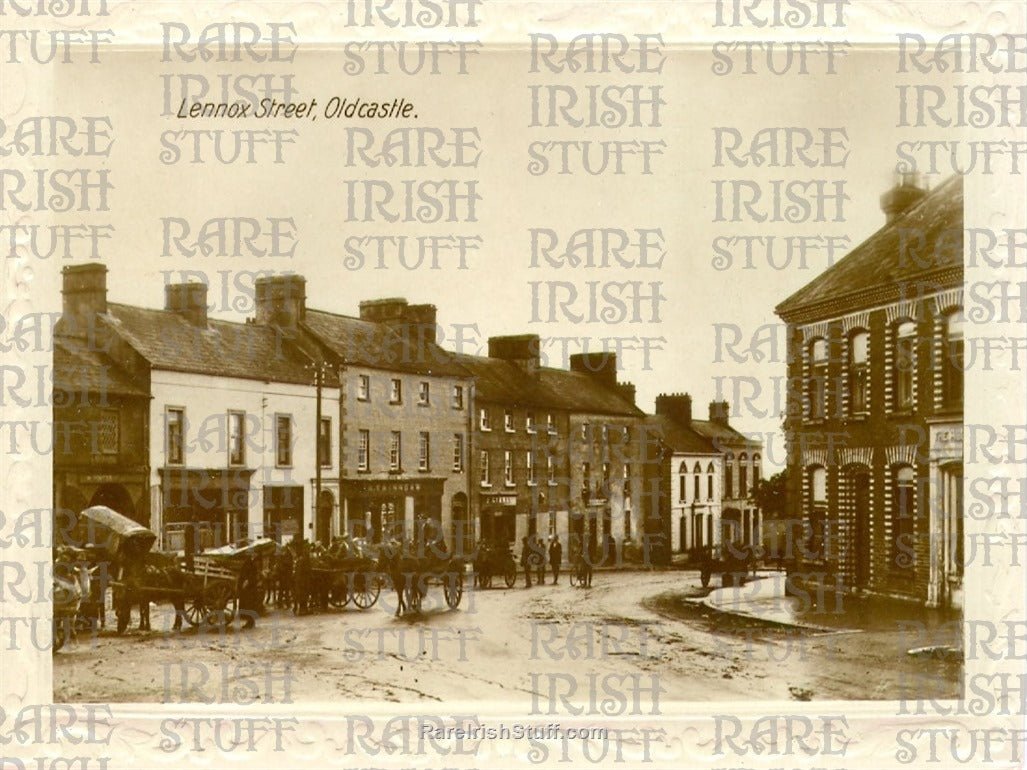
(584, 431)
(551, 470)
(905, 363)
(364, 451)
(424, 452)
(681, 486)
(817, 511)
(550, 423)
(396, 451)
(324, 442)
(508, 421)
(530, 460)
(458, 453)
(818, 379)
(729, 476)
(424, 393)
(508, 477)
(107, 440)
(396, 392)
(604, 489)
(484, 468)
(757, 470)
(175, 431)
(483, 419)
(743, 475)
(952, 366)
(458, 397)
(363, 388)
(903, 558)
(236, 443)
(859, 372)
(283, 439)
(529, 422)
(695, 482)
(709, 481)
(586, 481)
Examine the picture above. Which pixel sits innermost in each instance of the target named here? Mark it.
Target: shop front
(383, 509)
(499, 518)
(204, 507)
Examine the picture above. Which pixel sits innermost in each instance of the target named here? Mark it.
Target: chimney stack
(602, 366)
(627, 391)
(903, 196)
(676, 406)
(522, 350)
(188, 300)
(84, 293)
(719, 412)
(281, 300)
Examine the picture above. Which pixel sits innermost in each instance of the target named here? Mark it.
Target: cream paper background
(493, 293)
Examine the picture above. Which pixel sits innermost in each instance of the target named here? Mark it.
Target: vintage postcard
(472, 383)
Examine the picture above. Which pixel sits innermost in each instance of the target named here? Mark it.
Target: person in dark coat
(539, 548)
(526, 561)
(249, 592)
(555, 557)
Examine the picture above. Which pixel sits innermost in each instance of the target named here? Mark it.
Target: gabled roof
(875, 272)
(680, 438)
(79, 369)
(169, 342)
(377, 345)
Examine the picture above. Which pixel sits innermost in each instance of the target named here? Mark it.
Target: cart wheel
(219, 604)
(365, 590)
(453, 589)
(60, 633)
(194, 612)
(338, 595)
(510, 578)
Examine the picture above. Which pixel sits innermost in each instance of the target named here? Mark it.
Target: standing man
(526, 561)
(555, 557)
(540, 560)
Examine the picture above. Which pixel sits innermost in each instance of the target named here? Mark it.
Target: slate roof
(722, 436)
(873, 272)
(76, 368)
(502, 382)
(581, 392)
(377, 345)
(680, 438)
(221, 348)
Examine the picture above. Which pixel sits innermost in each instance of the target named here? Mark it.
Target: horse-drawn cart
(412, 575)
(351, 575)
(495, 560)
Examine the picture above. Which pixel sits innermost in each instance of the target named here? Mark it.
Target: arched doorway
(461, 534)
(325, 511)
(117, 498)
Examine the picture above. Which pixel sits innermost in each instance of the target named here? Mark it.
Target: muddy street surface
(631, 644)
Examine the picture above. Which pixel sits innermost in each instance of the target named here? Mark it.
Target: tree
(769, 495)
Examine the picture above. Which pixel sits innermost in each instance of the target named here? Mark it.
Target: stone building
(875, 409)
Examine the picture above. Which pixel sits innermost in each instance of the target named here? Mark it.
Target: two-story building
(875, 409)
(233, 449)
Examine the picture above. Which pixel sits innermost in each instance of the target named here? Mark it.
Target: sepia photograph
(481, 383)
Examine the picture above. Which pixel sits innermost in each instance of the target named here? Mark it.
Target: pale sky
(495, 292)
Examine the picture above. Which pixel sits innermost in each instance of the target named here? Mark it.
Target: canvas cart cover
(260, 546)
(103, 526)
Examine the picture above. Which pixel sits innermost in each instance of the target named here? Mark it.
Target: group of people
(534, 558)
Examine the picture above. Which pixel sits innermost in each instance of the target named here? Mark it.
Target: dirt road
(629, 645)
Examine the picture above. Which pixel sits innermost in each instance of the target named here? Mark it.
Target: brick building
(875, 411)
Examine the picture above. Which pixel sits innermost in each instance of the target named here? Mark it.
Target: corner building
(875, 407)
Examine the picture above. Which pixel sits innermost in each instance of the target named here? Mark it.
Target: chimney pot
(281, 300)
(188, 300)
